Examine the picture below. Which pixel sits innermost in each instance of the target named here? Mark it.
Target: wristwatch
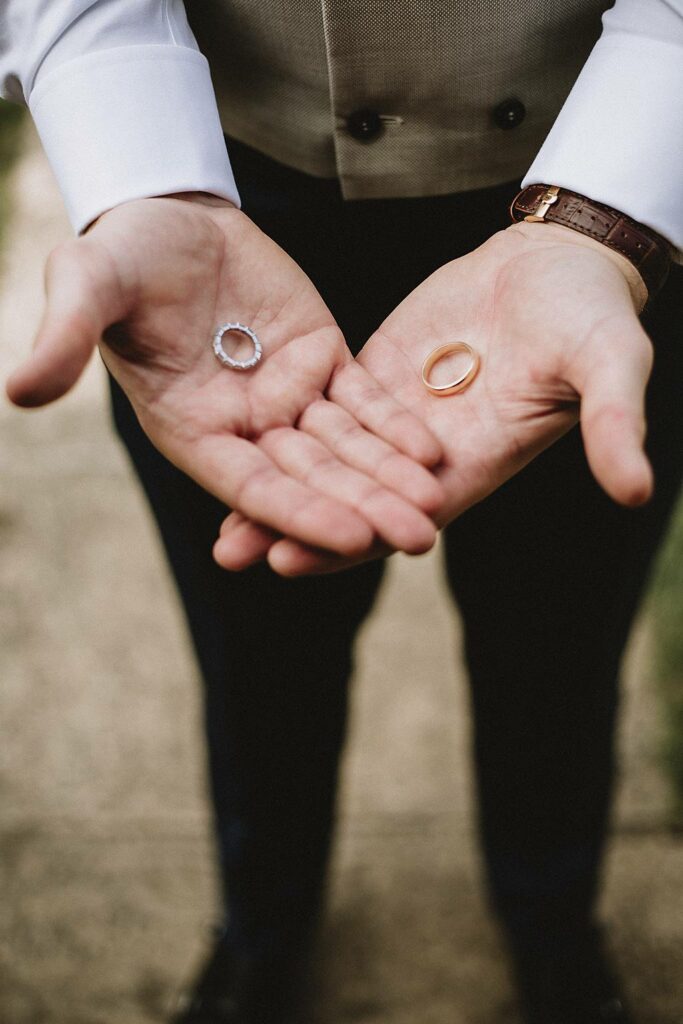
(649, 253)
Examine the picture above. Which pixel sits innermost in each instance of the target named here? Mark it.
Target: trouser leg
(275, 657)
(548, 573)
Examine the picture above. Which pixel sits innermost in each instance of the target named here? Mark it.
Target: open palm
(555, 324)
(153, 279)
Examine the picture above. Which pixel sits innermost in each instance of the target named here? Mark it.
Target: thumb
(612, 386)
(82, 297)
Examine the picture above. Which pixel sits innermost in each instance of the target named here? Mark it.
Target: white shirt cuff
(619, 137)
(128, 123)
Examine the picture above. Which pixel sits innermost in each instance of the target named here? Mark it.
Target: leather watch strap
(648, 252)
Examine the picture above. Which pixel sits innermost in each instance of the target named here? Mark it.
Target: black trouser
(547, 573)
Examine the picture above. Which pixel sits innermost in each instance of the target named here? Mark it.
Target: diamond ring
(223, 357)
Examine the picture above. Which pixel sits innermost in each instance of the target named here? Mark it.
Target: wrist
(200, 198)
(197, 198)
(647, 251)
(559, 234)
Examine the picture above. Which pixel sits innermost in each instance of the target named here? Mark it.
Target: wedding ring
(461, 382)
(222, 355)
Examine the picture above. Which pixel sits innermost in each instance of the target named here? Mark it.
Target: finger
(231, 522)
(612, 389)
(78, 303)
(244, 478)
(358, 392)
(242, 543)
(344, 437)
(289, 558)
(395, 520)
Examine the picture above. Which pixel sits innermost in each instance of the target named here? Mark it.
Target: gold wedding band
(461, 382)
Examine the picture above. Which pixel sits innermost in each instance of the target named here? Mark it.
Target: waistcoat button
(509, 113)
(364, 124)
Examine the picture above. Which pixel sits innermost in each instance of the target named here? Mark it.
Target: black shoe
(233, 990)
(570, 982)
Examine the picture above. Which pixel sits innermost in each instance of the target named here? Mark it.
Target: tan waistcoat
(440, 73)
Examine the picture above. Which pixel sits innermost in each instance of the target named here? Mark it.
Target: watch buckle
(545, 201)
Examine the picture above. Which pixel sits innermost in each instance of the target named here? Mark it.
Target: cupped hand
(554, 317)
(150, 282)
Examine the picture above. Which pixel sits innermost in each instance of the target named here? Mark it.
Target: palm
(188, 403)
(546, 357)
(155, 278)
(520, 402)
(541, 349)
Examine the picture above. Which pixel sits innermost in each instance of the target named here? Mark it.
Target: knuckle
(610, 415)
(313, 415)
(273, 439)
(394, 415)
(350, 435)
(253, 485)
(377, 496)
(63, 250)
(55, 259)
(321, 464)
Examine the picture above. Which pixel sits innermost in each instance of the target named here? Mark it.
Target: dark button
(509, 113)
(364, 124)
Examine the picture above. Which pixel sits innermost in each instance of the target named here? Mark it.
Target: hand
(151, 280)
(554, 317)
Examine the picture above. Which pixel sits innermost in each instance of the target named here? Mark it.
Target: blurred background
(108, 881)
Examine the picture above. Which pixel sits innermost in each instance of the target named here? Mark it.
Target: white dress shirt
(123, 102)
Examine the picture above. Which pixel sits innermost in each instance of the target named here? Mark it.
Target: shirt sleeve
(121, 97)
(619, 137)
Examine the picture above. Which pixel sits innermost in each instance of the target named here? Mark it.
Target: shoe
(234, 990)
(570, 982)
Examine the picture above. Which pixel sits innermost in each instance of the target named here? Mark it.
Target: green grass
(11, 122)
(666, 607)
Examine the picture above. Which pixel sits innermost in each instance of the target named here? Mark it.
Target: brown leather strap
(648, 252)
